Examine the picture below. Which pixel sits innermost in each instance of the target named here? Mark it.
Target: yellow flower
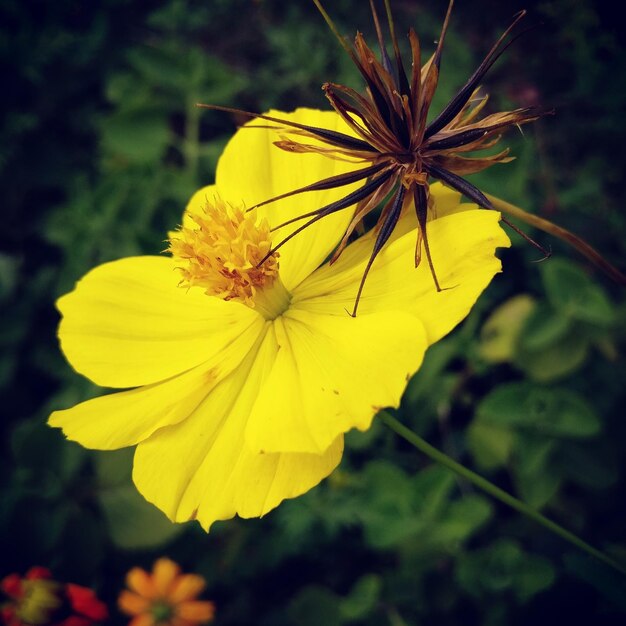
(164, 598)
(246, 380)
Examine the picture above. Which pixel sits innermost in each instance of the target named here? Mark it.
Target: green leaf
(501, 564)
(535, 574)
(437, 358)
(387, 515)
(157, 65)
(543, 328)
(362, 598)
(504, 567)
(72, 460)
(114, 467)
(391, 515)
(463, 518)
(554, 412)
(132, 521)
(536, 476)
(554, 361)
(571, 291)
(431, 489)
(572, 417)
(140, 136)
(377, 477)
(532, 452)
(491, 570)
(537, 489)
(314, 606)
(489, 445)
(500, 333)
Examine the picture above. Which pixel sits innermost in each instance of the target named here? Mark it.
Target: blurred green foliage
(100, 147)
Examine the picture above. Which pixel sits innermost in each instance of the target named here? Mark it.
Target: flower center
(162, 612)
(222, 251)
(40, 599)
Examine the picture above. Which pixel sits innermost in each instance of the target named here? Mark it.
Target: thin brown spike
(289, 237)
(547, 253)
(392, 211)
(421, 209)
(430, 79)
(418, 248)
(465, 92)
(343, 203)
(430, 260)
(403, 82)
(328, 136)
(444, 29)
(416, 75)
(381, 42)
(392, 28)
(327, 183)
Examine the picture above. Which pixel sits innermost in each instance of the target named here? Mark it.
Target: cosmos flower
(165, 597)
(39, 599)
(395, 150)
(246, 376)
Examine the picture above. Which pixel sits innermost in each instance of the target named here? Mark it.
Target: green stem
(562, 233)
(494, 491)
(333, 28)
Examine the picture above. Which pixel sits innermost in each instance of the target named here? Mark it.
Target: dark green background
(100, 147)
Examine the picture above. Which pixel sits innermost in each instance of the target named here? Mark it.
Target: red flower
(37, 599)
(84, 602)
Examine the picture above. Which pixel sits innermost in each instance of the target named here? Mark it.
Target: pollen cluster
(40, 597)
(221, 251)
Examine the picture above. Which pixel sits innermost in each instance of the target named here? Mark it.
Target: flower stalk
(562, 233)
(494, 491)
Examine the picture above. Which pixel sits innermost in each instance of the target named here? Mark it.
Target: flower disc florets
(221, 250)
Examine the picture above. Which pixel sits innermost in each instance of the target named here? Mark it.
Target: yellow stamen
(221, 253)
(40, 599)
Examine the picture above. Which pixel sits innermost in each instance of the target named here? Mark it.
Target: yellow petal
(447, 201)
(202, 469)
(331, 374)
(463, 246)
(127, 323)
(443, 201)
(140, 581)
(187, 587)
(252, 169)
(123, 419)
(132, 604)
(197, 612)
(145, 619)
(164, 575)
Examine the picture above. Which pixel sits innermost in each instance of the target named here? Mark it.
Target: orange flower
(164, 598)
